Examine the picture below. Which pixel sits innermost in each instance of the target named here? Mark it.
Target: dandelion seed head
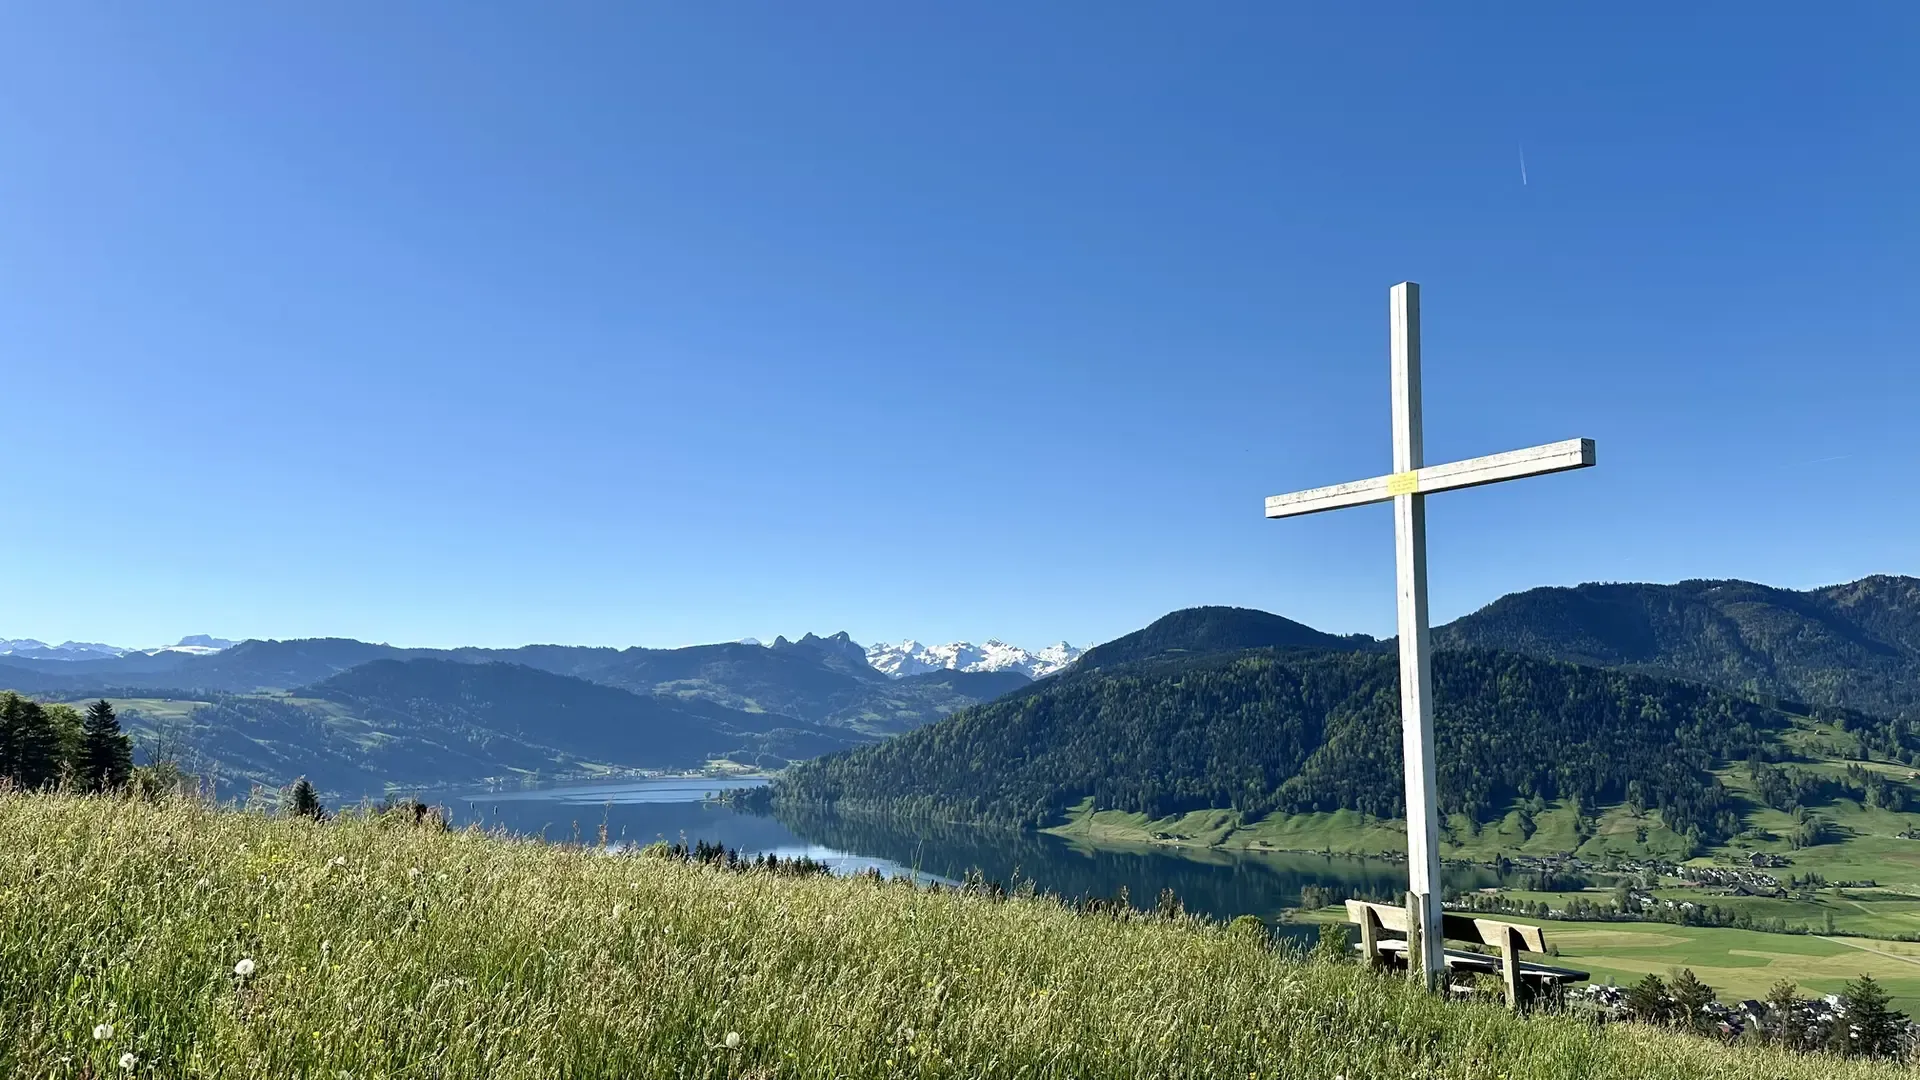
(245, 967)
(733, 1040)
(413, 873)
(102, 1031)
(127, 1060)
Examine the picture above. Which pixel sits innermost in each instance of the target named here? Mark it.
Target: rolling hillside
(1855, 645)
(432, 722)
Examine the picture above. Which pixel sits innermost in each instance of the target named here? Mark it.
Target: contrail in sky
(1523, 165)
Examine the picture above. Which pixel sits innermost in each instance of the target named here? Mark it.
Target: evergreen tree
(106, 755)
(29, 743)
(1874, 1026)
(1789, 1024)
(1647, 1000)
(68, 738)
(1690, 999)
(300, 798)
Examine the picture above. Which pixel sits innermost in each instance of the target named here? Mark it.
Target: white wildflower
(413, 873)
(127, 1060)
(102, 1031)
(245, 967)
(326, 947)
(337, 860)
(204, 883)
(733, 1040)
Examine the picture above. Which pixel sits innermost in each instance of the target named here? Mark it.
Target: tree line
(49, 744)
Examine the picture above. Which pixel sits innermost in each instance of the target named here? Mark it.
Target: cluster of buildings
(1808, 1024)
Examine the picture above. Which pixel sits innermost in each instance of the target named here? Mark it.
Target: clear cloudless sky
(442, 323)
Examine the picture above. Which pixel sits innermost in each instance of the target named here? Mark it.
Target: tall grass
(385, 950)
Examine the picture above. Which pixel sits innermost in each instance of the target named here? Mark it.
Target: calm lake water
(1219, 883)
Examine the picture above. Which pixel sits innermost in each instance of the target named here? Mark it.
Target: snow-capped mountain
(28, 648)
(67, 650)
(196, 645)
(912, 658)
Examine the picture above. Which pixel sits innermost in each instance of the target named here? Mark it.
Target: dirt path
(1851, 943)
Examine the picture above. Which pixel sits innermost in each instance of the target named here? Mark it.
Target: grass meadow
(183, 940)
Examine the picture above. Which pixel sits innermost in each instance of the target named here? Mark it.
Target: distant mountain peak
(839, 650)
(910, 657)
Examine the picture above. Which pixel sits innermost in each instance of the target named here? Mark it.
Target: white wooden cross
(1408, 485)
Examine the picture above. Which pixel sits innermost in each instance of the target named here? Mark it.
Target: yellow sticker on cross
(1404, 483)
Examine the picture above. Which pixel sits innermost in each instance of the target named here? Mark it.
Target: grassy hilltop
(377, 949)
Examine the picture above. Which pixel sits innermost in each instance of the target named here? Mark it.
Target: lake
(1222, 884)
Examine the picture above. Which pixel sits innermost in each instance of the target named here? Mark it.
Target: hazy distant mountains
(30, 649)
(355, 715)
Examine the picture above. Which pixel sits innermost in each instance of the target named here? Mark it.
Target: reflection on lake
(1219, 883)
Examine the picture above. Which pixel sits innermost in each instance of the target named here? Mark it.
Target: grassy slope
(1868, 849)
(604, 966)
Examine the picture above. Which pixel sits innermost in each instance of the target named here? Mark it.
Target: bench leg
(1414, 968)
(1510, 968)
(1370, 938)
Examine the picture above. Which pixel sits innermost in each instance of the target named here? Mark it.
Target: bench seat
(1520, 978)
(1482, 963)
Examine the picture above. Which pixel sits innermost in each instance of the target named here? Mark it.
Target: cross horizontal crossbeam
(1472, 472)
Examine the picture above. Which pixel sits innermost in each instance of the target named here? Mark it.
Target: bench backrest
(1454, 927)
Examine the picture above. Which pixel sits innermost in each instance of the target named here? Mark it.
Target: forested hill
(1855, 645)
(1270, 730)
(1200, 630)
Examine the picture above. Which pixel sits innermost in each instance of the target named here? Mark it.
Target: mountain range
(31, 649)
(266, 711)
(912, 658)
(356, 715)
(1590, 696)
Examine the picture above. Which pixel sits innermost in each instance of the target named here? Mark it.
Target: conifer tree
(1789, 1025)
(67, 740)
(300, 798)
(106, 753)
(1647, 1000)
(29, 743)
(1690, 999)
(1875, 1026)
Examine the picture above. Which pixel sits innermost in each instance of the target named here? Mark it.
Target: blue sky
(656, 324)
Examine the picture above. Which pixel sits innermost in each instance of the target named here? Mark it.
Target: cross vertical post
(1407, 487)
(1416, 668)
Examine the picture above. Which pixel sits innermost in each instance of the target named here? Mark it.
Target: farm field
(1737, 963)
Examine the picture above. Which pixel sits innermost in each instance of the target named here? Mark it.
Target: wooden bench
(1523, 979)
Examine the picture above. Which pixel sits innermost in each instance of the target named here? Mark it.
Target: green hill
(1267, 731)
(1201, 630)
(1855, 645)
(208, 943)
